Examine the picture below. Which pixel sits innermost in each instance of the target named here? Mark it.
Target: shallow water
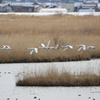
(9, 91)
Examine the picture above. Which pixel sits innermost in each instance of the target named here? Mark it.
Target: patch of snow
(9, 91)
(46, 14)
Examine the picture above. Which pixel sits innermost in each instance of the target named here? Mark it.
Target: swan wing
(3, 46)
(31, 52)
(47, 43)
(42, 45)
(71, 47)
(80, 48)
(57, 46)
(8, 47)
(84, 47)
(36, 50)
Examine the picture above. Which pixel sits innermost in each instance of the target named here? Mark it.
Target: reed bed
(52, 77)
(23, 31)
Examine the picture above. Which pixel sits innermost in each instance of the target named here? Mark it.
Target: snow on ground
(50, 93)
(45, 14)
(74, 66)
(9, 91)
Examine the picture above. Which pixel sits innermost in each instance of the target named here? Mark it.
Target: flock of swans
(46, 46)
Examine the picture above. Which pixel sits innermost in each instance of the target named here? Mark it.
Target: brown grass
(20, 32)
(52, 77)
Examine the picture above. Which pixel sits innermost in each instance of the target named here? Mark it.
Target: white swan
(67, 47)
(5, 47)
(32, 50)
(90, 47)
(55, 47)
(81, 46)
(84, 47)
(45, 46)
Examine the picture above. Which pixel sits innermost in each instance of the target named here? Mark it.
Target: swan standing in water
(5, 47)
(33, 50)
(55, 47)
(67, 47)
(45, 46)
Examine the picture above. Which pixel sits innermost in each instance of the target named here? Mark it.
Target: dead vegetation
(52, 77)
(21, 32)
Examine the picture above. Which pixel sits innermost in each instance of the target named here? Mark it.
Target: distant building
(68, 6)
(20, 7)
(16, 7)
(98, 7)
(91, 1)
(38, 6)
(53, 4)
(86, 5)
(5, 8)
(77, 6)
(27, 8)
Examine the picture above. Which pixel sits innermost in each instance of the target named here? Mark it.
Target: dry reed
(52, 77)
(21, 32)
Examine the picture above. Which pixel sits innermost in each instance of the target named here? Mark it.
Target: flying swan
(45, 46)
(84, 47)
(5, 47)
(81, 46)
(33, 50)
(90, 47)
(67, 47)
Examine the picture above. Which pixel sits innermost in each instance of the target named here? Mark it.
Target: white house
(16, 7)
(87, 6)
(91, 1)
(68, 6)
(27, 8)
(5, 8)
(98, 6)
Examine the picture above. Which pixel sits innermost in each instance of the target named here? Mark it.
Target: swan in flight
(84, 47)
(55, 47)
(90, 47)
(67, 47)
(33, 50)
(45, 46)
(81, 46)
(5, 47)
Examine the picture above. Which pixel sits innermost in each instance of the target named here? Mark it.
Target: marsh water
(9, 76)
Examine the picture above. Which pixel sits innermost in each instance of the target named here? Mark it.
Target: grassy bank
(21, 32)
(52, 77)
